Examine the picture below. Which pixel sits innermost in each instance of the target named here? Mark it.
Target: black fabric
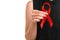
(48, 33)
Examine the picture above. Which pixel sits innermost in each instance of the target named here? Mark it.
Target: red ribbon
(48, 17)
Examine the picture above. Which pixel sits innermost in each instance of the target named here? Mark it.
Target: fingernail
(41, 17)
(45, 16)
(46, 13)
(38, 20)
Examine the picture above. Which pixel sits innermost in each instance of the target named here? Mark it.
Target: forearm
(31, 31)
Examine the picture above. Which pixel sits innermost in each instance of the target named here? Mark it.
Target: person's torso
(47, 33)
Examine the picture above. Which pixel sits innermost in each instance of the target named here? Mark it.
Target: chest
(47, 32)
(55, 9)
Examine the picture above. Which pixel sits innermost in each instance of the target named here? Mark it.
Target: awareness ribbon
(48, 17)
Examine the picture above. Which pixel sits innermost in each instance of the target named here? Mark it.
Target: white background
(12, 19)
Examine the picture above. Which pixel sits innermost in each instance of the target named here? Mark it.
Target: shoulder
(29, 5)
(29, 9)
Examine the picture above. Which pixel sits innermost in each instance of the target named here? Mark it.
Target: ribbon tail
(50, 21)
(42, 23)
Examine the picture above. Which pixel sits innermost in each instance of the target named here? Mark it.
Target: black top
(47, 33)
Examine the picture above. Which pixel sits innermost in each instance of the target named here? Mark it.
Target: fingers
(36, 20)
(37, 11)
(38, 15)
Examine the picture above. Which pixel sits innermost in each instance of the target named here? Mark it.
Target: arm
(32, 17)
(31, 29)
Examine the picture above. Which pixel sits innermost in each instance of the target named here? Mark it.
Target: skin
(32, 17)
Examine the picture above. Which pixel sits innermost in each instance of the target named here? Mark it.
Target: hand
(38, 15)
